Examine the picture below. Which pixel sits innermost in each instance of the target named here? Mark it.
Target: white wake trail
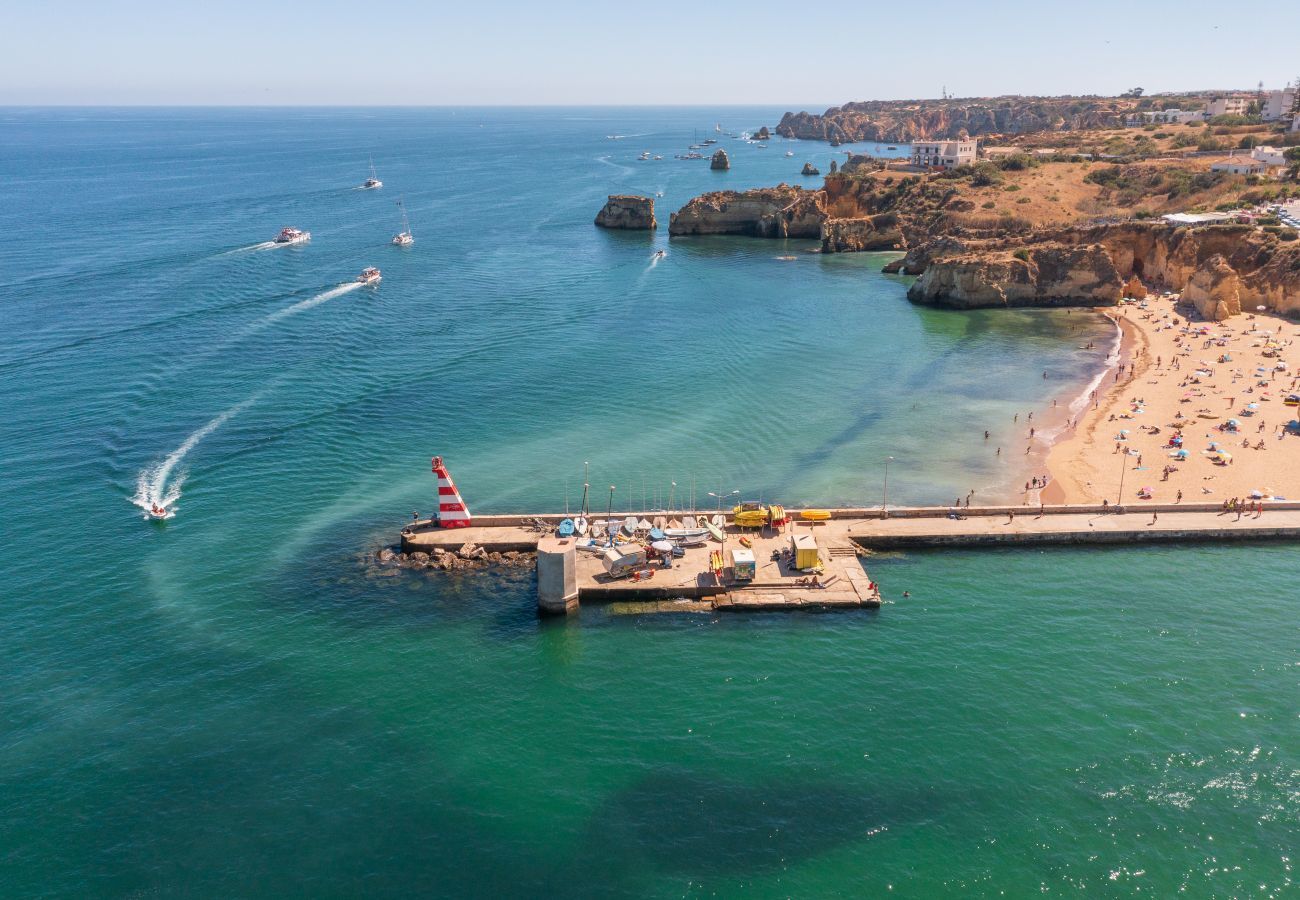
(310, 302)
(264, 245)
(152, 487)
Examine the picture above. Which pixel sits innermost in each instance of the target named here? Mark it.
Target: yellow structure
(804, 547)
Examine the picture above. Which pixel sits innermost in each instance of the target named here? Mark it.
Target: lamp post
(719, 495)
(884, 498)
(609, 512)
(1123, 466)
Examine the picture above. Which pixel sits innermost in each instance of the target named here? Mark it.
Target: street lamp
(719, 497)
(884, 499)
(1123, 466)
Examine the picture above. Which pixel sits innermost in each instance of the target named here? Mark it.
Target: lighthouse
(452, 512)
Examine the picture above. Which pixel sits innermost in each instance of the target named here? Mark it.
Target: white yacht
(369, 275)
(373, 181)
(404, 237)
(292, 236)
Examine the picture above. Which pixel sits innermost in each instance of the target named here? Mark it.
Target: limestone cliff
(779, 212)
(628, 211)
(921, 120)
(1221, 269)
(1048, 275)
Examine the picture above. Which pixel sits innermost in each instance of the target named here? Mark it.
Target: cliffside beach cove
(213, 689)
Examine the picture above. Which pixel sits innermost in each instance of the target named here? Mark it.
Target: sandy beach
(1217, 386)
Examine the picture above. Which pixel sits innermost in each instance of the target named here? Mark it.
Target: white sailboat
(404, 238)
(373, 181)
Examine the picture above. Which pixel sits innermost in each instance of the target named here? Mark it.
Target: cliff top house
(943, 154)
(1240, 165)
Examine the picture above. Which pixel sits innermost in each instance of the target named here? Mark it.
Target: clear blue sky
(794, 54)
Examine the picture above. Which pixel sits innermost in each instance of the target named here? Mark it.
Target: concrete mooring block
(557, 576)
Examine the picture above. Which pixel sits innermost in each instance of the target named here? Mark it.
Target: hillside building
(944, 154)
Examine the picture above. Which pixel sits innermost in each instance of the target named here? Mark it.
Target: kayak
(815, 515)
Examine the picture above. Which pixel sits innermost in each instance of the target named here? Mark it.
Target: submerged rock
(628, 211)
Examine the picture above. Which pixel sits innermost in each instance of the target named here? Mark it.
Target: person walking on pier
(1154, 516)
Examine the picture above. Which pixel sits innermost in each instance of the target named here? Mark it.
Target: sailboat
(404, 238)
(580, 524)
(373, 181)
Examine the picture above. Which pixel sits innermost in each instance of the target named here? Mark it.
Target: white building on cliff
(1277, 105)
(944, 154)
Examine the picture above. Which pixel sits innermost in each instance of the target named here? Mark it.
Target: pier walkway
(690, 585)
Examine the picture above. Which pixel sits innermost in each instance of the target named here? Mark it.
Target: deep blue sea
(228, 703)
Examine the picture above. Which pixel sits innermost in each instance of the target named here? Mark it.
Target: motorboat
(404, 237)
(789, 153)
(369, 275)
(660, 254)
(645, 154)
(373, 181)
(157, 512)
(292, 236)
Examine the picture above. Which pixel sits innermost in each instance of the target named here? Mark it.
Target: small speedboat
(157, 512)
(292, 236)
(660, 254)
(369, 275)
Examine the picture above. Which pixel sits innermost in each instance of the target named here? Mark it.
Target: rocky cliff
(1220, 269)
(922, 120)
(1047, 275)
(628, 211)
(779, 212)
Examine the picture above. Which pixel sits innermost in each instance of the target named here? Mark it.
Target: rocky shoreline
(468, 557)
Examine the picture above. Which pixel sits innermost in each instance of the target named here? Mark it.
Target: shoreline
(1064, 456)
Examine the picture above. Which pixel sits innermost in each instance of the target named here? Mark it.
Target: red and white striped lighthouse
(452, 512)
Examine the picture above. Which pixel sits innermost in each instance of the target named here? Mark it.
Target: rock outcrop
(921, 120)
(810, 169)
(855, 235)
(763, 134)
(1214, 289)
(720, 161)
(1049, 275)
(1135, 289)
(834, 167)
(628, 211)
(779, 212)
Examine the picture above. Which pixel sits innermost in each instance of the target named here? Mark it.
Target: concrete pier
(567, 577)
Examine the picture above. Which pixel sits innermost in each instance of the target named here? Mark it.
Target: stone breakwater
(629, 212)
(467, 557)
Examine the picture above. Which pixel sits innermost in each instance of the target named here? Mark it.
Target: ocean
(231, 703)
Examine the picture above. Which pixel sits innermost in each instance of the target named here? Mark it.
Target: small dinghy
(157, 512)
(714, 531)
(720, 520)
(629, 525)
(689, 522)
(661, 522)
(656, 534)
(566, 528)
(580, 525)
(644, 525)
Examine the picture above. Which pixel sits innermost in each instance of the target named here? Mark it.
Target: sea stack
(628, 211)
(763, 134)
(720, 161)
(833, 167)
(810, 169)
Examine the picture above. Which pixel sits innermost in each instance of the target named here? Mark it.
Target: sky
(661, 52)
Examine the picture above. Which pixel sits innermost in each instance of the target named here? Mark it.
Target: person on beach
(1011, 516)
(1154, 515)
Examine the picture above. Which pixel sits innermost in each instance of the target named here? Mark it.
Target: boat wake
(309, 303)
(155, 485)
(264, 245)
(627, 170)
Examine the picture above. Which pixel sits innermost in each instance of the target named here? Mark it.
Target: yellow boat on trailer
(815, 515)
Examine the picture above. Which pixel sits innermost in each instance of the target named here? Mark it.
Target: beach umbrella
(1261, 308)
(1179, 454)
(662, 546)
(1252, 406)
(1256, 495)
(1225, 456)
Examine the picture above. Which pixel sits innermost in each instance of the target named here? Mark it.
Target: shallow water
(226, 703)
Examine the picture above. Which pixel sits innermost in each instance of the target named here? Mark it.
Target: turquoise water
(228, 704)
